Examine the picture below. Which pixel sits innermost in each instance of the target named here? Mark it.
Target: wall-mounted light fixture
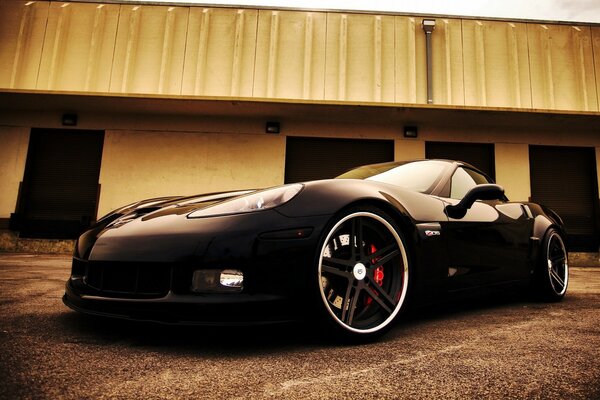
(428, 27)
(69, 119)
(411, 132)
(272, 127)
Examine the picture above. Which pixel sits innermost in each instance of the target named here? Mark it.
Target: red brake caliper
(378, 273)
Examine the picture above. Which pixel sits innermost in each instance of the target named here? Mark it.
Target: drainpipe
(428, 27)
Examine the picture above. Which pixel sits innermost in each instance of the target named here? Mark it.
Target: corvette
(349, 254)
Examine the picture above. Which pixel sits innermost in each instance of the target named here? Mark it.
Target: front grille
(129, 279)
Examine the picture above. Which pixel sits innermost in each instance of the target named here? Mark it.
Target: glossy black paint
(493, 242)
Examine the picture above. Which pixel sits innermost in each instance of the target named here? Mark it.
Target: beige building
(103, 104)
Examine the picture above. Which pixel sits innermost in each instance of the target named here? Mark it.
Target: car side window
(463, 180)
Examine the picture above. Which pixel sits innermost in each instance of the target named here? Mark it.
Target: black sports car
(349, 252)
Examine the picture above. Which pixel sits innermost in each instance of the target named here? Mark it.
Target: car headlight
(257, 201)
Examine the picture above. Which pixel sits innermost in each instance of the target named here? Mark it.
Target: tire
(362, 274)
(552, 275)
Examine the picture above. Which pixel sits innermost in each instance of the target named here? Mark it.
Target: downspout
(428, 27)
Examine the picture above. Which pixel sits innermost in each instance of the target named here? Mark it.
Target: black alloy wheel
(363, 274)
(552, 276)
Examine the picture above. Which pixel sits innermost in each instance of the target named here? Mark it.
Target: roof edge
(338, 11)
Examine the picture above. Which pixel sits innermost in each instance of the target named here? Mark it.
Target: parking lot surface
(497, 347)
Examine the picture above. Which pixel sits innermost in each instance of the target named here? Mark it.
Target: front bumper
(278, 274)
(213, 309)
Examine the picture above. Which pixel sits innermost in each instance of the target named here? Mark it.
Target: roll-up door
(564, 179)
(479, 155)
(320, 158)
(60, 188)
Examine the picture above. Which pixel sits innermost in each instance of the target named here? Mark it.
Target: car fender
(330, 196)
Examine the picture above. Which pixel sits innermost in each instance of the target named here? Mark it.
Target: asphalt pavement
(495, 347)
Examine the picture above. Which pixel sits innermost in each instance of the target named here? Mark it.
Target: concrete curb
(11, 243)
(577, 259)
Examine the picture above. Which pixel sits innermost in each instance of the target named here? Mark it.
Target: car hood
(194, 202)
(160, 230)
(125, 224)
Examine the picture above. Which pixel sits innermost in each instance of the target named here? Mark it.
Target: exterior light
(272, 127)
(411, 132)
(232, 278)
(428, 25)
(217, 281)
(69, 119)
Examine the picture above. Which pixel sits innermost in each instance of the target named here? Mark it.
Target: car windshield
(421, 176)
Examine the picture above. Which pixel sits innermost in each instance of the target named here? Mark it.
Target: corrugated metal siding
(448, 70)
(219, 53)
(157, 49)
(78, 47)
(562, 67)
(596, 52)
(496, 64)
(22, 30)
(149, 50)
(290, 55)
(360, 58)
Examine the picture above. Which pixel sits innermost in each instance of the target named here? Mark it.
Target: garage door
(320, 158)
(564, 179)
(480, 155)
(60, 187)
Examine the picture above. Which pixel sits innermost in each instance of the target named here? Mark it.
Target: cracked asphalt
(496, 347)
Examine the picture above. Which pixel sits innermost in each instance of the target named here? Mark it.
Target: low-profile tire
(363, 275)
(551, 277)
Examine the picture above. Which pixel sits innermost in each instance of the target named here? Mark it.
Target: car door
(490, 244)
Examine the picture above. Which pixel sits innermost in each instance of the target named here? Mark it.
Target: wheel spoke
(557, 278)
(352, 308)
(381, 252)
(336, 271)
(345, 301)
(379, 299)
(389, 256)
(560, 259)
(338, 263)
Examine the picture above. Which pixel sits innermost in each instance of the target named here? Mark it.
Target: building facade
(103, 104)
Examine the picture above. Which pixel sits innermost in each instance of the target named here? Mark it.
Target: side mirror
(486, 191)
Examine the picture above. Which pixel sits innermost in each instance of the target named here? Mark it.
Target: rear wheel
(363, 274)
(552, 276)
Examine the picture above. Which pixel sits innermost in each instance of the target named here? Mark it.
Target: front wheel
(363, 274)
(552, 276)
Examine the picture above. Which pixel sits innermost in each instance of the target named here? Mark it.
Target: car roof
(398, 163)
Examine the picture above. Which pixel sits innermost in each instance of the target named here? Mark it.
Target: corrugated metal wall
(300, 55)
